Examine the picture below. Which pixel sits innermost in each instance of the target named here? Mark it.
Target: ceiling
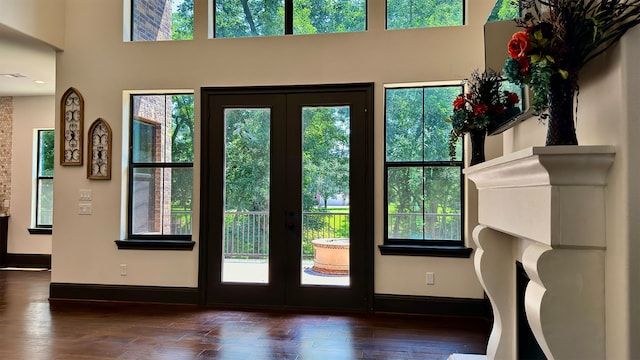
(27, 66)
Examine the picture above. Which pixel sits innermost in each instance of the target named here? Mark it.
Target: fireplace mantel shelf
(545, 207)
(545, 193)
(545, 165)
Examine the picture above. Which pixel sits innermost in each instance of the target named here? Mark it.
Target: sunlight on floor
(257, 272)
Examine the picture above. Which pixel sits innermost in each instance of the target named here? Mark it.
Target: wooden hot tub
(331, 256)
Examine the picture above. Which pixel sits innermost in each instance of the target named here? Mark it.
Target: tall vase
(561, 128)
(477, 146)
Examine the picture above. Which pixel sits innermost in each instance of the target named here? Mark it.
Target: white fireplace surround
(545, 207)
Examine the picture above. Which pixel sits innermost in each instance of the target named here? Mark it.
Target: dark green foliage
(406, 14)
(182, 21)
(504, 10)
(182, 150)
(46, 153)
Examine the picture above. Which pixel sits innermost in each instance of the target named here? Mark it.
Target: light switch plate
(85, 194)
(84, 209)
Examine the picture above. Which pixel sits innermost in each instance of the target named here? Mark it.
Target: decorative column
(545, 207)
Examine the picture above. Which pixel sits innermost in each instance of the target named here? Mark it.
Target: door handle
(291, 220)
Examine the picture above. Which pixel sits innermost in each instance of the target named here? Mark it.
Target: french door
(287, 197)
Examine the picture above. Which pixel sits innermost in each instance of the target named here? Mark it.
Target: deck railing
(246, 233)
(425, 226)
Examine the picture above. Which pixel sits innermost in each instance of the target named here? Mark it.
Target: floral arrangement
(482, 105)
(560, 37)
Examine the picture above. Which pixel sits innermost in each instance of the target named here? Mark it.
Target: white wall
(40, 19)
(101, 67)
(29, 113)
(609, 114)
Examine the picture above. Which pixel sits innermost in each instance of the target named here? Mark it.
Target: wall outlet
(431, 278)
(84, 209)
(123, 269)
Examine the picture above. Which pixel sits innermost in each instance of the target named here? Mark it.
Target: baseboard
(124, 293)
(29, 260)
(432, 305)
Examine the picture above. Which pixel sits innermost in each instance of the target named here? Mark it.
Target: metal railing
(425, 226)
(246, 233)
(181, 222)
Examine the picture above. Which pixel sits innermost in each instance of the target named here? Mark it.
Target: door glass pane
(245, 239)
(325, 195)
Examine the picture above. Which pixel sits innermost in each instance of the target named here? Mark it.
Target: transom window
(244, 18)
(161, 167)
(157, 20)
(423, 186)
(408, 14)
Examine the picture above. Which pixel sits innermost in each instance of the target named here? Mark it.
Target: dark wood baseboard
(383, 303)
(432, 305)
(123, 293)
(29, 260)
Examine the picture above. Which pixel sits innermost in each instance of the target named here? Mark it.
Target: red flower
(458, 103)
(512, 98)
(519, 45)
(497, 108)
(523, 65)
(480, 109)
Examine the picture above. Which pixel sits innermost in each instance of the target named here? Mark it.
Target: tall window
(242, 18)
(408, 14)
(423, 186)
(44, 179)
(161, 167)
(156, 20)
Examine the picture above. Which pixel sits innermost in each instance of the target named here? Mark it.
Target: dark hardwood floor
(34, 329)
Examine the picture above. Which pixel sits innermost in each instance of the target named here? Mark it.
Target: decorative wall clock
(99, 151)
(71, 127)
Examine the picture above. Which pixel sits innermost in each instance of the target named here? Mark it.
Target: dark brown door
(287, 197)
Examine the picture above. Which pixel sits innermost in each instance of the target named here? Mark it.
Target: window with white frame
(423, 186)
(43, 214)
(161, 167)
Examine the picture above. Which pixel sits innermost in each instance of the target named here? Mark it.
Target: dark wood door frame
(209, 172)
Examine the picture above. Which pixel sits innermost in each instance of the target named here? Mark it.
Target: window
(44, 179)
(161, 167)
(423, 186)
(156, 20)
(505, 10)
(240, 18)
(408, 14)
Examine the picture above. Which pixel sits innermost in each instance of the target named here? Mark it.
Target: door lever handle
(291, 220)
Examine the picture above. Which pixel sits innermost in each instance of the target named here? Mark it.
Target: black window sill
(40, 231)
(130, 244)
(422, 250)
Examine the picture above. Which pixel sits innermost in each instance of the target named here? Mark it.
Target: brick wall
(6, 134)
(152, 20)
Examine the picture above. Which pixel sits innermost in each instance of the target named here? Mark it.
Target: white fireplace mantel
(545, 207)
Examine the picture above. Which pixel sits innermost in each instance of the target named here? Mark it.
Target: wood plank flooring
(33, 329)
